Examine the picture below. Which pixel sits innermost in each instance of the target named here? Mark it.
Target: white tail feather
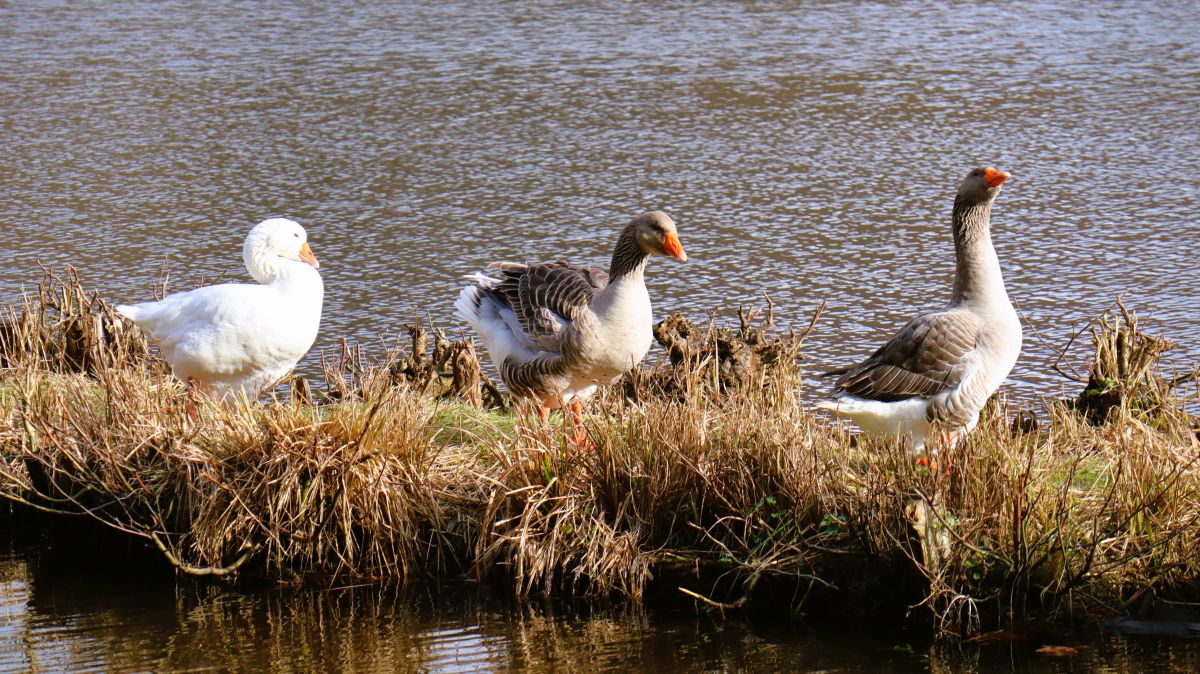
(484, 315)
(876, 418)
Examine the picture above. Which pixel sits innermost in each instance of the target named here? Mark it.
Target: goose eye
(296, 235)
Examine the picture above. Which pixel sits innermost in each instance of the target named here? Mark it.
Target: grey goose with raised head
(943, 365)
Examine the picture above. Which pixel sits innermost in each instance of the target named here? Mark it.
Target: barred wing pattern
(540, 295)
(543, 297)
(528, 379)
(931, 354)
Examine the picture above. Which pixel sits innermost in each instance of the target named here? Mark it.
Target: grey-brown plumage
(557, 330)
(927, 356)
(943, 365)
(537, 293)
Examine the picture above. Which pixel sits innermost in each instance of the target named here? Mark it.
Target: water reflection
(121, 614)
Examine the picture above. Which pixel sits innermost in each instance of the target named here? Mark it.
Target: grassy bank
(708, 472)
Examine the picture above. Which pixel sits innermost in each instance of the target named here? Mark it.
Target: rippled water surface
(807, 150)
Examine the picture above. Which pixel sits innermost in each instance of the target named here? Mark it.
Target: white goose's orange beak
(672, 247)
(995, 178)
(307, 257)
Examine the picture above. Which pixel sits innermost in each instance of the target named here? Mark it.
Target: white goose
(558, 331)
(233, 338)
(944, 365)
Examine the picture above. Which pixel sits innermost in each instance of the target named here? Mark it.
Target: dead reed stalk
(1124, 374)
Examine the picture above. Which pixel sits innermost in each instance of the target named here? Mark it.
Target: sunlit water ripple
(807, 151)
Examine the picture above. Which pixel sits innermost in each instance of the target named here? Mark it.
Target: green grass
(460, 424)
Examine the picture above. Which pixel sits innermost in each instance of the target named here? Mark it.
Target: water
(116, 613)
(807, 150)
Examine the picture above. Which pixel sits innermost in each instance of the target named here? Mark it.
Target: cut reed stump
(1125, 372)
(720, 361)
(466, 373)
(450, 371)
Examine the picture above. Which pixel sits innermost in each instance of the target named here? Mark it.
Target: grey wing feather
(541, 294)
(597, 277)
(528, 378)
(927, 356)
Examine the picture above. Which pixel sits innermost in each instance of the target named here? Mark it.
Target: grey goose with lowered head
(557, 331)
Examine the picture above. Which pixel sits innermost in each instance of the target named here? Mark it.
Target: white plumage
(876, 418)
(234, 338)
(495, 323)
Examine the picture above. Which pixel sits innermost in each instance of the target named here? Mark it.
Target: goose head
(981, 185)
(274, 247)
(655, 233)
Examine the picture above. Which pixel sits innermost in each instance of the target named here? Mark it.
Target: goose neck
(628, 259)
(977, 277)
(279, 272)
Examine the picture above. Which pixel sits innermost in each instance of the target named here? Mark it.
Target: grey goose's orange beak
(995, 178)
(307, 257)
(672, 247)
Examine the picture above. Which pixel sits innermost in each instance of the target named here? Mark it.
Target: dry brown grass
(357, 487)
(61, 327)
(1124, 373)
(721, 472)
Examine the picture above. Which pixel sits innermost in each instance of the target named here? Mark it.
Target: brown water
(115, 613)
(807, 150)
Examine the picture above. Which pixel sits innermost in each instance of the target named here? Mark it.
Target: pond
(808, 151)
(122, 610)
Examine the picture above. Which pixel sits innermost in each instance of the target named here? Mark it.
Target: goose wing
(221, 330)
(546, 297)
(931, 354)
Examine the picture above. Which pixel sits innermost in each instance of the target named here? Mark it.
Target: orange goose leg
(193, 387)
(543, 413)
(948, 439)
(580, 436)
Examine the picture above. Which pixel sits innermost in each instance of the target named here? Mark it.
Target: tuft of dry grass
(64, 328)
(707, 467)
(356, 488)
(1124, 372)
